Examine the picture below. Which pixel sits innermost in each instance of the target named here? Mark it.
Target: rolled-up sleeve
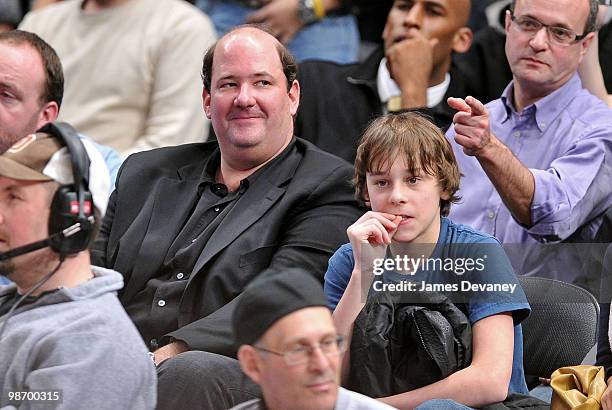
(574, 189)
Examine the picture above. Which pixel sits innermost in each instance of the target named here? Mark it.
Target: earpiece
(72, 203)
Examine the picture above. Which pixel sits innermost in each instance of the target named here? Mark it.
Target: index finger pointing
(477, 107)
(458, 104)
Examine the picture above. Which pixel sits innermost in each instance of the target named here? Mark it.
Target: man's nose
(245, 96)
(318, 361)
(539, 41)
(414, 17)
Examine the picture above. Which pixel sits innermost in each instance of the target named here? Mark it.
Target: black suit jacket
(296, 217)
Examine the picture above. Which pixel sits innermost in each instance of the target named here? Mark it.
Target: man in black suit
(190, 226)
(412, 71)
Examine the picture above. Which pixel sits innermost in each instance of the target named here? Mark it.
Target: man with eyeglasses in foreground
(290, 348)
(536, 162)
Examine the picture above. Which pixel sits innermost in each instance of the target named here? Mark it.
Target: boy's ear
(445, 195)
(366, 197)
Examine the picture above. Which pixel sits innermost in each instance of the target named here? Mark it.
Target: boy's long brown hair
(418, 141)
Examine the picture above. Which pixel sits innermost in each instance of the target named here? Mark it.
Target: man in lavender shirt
(537, 161)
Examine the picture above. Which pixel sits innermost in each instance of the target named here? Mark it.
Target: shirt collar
(209, 173)
(209, 176)
(548, 108)
(388, 88)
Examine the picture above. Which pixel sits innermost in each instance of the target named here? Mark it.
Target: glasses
(302, 354)
(557, 35)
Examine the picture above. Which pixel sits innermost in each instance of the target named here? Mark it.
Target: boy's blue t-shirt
(454, 243)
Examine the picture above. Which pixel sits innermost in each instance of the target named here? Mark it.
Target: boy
(406, 172)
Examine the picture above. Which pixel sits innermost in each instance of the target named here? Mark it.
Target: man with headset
(32, 87)
(65, 340)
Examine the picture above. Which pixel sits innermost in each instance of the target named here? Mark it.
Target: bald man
(413, 71)
(190, 226)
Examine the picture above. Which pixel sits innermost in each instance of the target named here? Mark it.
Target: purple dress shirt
(565, 139)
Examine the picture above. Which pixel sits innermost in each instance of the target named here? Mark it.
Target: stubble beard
(7, 140)
(29, 271)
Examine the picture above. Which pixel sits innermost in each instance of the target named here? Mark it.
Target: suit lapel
(174, 199)
(255, 202)
(250, 207)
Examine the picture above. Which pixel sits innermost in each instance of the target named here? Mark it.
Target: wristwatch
(306, 11)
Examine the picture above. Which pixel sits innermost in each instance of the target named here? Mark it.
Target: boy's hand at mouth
(370, 235)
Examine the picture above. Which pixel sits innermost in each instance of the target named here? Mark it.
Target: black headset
(72, 207)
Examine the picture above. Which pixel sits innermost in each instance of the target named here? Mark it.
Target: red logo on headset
(74, 207)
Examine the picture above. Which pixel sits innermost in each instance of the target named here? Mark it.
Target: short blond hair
(422, 145)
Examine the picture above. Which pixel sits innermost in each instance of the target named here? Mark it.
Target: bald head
(592, 8)
(461, 10)
(256, 37)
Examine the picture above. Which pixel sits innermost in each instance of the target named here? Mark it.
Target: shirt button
(517, 134)
(161, 303)
(216, 209)
(491, 215)
(180, 275)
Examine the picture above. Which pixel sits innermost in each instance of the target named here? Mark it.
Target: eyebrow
(438, 3)
(12, 187)
(417, 172)
(9, 86)
(378, 173)
(562, 25)
(258, 74)
(305, 341)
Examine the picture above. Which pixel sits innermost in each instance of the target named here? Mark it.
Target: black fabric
(605, 54)
(593, 268)
(604, 354)
(337, 102)
(265, 301)
(561, 328)
(275, 225)
(398, 347)
(371, 17)
(201, 380)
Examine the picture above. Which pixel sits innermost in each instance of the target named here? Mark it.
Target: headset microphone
(59, 236)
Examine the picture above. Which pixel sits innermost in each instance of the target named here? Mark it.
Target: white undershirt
(388, 88)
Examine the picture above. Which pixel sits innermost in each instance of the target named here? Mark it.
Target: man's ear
(586, 42)
(48, 113)
(294, 97)
(250, 363)
(507, 21)
(462, 40)
(206, 102)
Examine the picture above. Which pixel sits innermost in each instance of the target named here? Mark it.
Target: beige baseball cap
(33, 158)
(42, 157)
